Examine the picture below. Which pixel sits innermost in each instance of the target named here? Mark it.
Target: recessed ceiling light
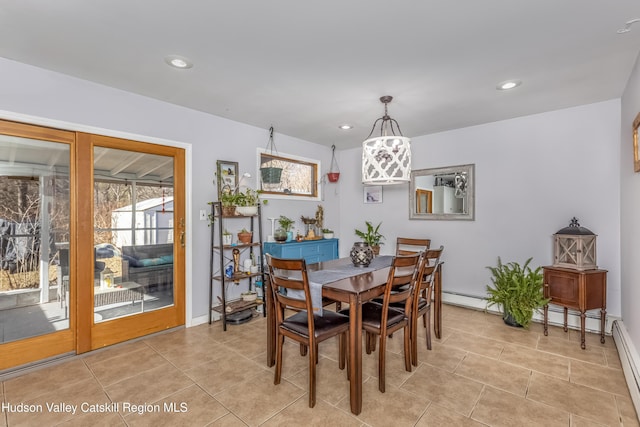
(178, 61)
(345, 127)
(509, 84)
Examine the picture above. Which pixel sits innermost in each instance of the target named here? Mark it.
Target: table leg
(546, 320)
(566, 312)
(583, 318)
(603, 316)
(437, 302)
(355, 353)
(271, 324)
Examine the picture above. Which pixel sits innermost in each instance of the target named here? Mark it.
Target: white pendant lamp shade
(386, 159)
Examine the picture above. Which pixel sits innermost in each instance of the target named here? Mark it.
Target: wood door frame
(429, 196)
(40, 347)
(93, 335)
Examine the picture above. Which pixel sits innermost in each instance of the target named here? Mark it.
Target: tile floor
(481, 372)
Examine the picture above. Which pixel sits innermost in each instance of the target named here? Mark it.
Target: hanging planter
(334, 170)
(269, 173)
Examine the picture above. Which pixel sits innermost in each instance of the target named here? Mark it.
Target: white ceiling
(307, 66)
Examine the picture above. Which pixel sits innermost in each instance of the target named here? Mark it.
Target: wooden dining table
(354, 290)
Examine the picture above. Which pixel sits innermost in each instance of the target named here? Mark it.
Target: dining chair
(409, 246)
(383, 319)
(422, 299)
(305, 326)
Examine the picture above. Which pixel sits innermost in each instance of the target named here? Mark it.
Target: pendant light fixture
(386, 159)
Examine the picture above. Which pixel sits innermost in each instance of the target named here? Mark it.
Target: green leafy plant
(285, 222)
(517, 289)
(229, 199)
(327, 230)
(247, 198)
(372, 236)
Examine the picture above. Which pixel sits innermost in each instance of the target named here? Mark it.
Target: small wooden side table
(581, 290)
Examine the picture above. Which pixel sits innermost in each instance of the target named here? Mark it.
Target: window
(299, 176)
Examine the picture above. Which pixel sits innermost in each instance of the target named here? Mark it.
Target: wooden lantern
(575, 247)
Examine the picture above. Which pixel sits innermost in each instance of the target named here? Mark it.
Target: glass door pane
(34, 237)
(133, 233)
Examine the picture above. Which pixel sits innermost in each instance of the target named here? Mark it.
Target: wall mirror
(442, 193)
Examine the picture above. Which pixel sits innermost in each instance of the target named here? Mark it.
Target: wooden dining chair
(305, 326)
(379, 320)
(409, 246)
(422, 299)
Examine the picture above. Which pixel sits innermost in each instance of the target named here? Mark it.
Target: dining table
(362, 285)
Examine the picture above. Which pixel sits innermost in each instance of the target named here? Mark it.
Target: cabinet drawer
(310, 250)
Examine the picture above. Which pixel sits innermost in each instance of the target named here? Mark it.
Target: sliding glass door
(135, 280)
(91, 241)
(36, 217)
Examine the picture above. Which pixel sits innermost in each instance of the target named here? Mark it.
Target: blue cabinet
(311, 250)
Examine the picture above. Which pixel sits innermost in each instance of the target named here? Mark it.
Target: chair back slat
(289, 275)
(431, 263)
(410, 246)
(403, 271)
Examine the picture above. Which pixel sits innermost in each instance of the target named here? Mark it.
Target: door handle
(182, 239)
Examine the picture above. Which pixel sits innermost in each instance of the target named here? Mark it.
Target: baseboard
(629, 360)
(556, 314)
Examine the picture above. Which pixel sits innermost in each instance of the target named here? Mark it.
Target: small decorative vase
(376, 250)
(328, 235)
(361, 254)
(280, 235)
(226, 239)
(289, 236)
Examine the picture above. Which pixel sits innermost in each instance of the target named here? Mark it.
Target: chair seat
(326, 325)
(422, 303)
(372, 315)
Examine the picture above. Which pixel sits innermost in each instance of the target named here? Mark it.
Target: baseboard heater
(629, 360)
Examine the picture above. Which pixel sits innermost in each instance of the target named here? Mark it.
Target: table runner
(330, 275)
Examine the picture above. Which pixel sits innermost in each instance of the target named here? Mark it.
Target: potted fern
(518, 290)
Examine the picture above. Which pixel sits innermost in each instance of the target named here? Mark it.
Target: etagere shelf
(234, 311)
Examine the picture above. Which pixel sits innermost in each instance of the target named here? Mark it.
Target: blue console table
(311, 250)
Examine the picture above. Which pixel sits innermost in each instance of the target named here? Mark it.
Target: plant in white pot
(227, 237)
(327, 233)
(247, 202)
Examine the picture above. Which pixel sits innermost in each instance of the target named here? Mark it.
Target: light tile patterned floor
(481, 372)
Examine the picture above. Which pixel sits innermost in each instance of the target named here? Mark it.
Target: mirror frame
(471, 189)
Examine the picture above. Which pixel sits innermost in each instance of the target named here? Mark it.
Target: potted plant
(372, 237)
(226, 237)
(228, 200)
(286, 223)
(327, 233)
(247, 202)
(244, 236)
(518, 290)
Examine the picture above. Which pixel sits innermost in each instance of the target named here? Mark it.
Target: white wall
(36, 92)
(630, 210)
(533, 174)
